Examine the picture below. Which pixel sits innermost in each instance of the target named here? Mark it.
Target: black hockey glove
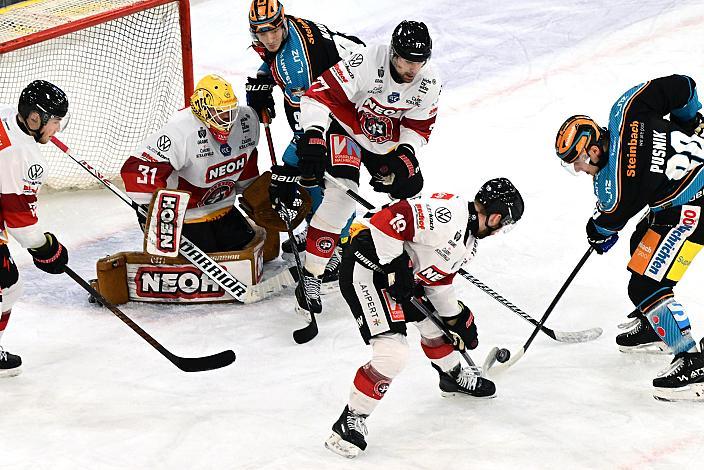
(463, 329)
(403, 178)
(312, 155)
(8, 270)
(259, 95)
(693, 126)
(51, 257)
(402, 285)
(600, 242)
(282, 189)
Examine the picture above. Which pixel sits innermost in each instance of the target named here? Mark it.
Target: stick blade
(578, 336)
(201, 364)
(306, 333)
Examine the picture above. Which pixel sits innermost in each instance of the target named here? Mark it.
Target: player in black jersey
(644, 160)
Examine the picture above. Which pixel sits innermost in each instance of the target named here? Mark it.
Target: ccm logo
(226, 168)
(161, 282)
(168, 212)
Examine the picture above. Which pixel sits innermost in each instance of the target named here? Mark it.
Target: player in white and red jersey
(210, 150)
(41, 113)
(414, 248)
(377, 108)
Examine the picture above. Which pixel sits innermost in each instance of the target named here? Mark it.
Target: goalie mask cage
(125, 66)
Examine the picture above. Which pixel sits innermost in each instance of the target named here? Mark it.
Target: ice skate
(640, 337)
(684, 379)
(10, 364)
(300, 244)
(347, 438)
(465, 381)
(331, 274)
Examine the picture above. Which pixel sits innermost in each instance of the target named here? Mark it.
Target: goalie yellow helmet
(214, 102)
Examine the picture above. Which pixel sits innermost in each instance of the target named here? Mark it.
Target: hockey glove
(51, 257)
(259, 95)
(600, 242)
(463, 329)
(282, 189)
(404, 178)
(401, 278)
(693, 126)
(8, 270)
(312, 155)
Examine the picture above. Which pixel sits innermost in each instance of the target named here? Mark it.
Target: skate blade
(341, 447)
(692, 392)
(10, 372)
(462, 394)
(657, 347)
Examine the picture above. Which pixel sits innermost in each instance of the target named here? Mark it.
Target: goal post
(125, 65)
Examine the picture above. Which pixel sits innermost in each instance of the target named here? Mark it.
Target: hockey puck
(503, 355)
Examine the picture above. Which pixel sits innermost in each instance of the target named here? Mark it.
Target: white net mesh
(123, 77)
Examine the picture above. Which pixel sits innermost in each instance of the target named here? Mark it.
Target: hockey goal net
(125, 66)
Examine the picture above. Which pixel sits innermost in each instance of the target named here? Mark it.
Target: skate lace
(3, 354)
(356, 422)
(334, 261)
(629, 325)
(674, 367)
(637, 327)
(312, 285)
(468, 377)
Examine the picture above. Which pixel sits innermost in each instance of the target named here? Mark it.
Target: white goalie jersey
(436, 233)
(360, 93)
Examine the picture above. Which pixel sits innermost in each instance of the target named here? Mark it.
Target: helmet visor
(571, 167)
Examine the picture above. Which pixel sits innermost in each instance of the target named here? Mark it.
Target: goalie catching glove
(51, 257)
(463, 329)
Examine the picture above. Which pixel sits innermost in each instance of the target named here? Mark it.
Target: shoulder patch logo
(35, 172)
(443, 215)
(356, 60)
(163, 143)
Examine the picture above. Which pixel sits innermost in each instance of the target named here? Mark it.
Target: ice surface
(95, 395)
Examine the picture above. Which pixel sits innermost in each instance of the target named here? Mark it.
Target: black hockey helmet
(411, 41)
(45, 98)
(500, 196)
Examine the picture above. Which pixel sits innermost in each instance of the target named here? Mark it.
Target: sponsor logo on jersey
(337, 70)
(395, 309)
(356, 60)
(443, 215)
(442, 196)
(4, 138)
(163, 143)
(345, 151)
(35, 172)
(420, 216)
(205, 152)
(226, 150)
(244, 124)
(248, 142)
(443, 253)
(380, 73)
(202, 133)
(671, 243)
(393, 97)
(632, 145)
(432, 275)
(376, 90)
(225, 169)
(164, 282)
(414, 101)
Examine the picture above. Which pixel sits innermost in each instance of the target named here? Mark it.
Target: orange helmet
(265, 15)
(576, 135)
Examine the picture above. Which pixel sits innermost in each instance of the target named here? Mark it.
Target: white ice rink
(94, 395)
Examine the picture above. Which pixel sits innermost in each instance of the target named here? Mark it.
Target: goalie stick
(186, 364)
(188, 250)
(562, 336)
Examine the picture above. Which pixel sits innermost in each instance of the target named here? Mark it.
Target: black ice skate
(287, 245)
(10, 364)
(640, 337)
(684, 379)
(310, 299)
(465, 381)
(347, 438)
(331, 275)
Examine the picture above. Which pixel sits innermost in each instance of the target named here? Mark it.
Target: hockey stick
(310, 331)
(562, 336)
(186, 364)
(188, 250)
(496, 354)
(432, 316)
